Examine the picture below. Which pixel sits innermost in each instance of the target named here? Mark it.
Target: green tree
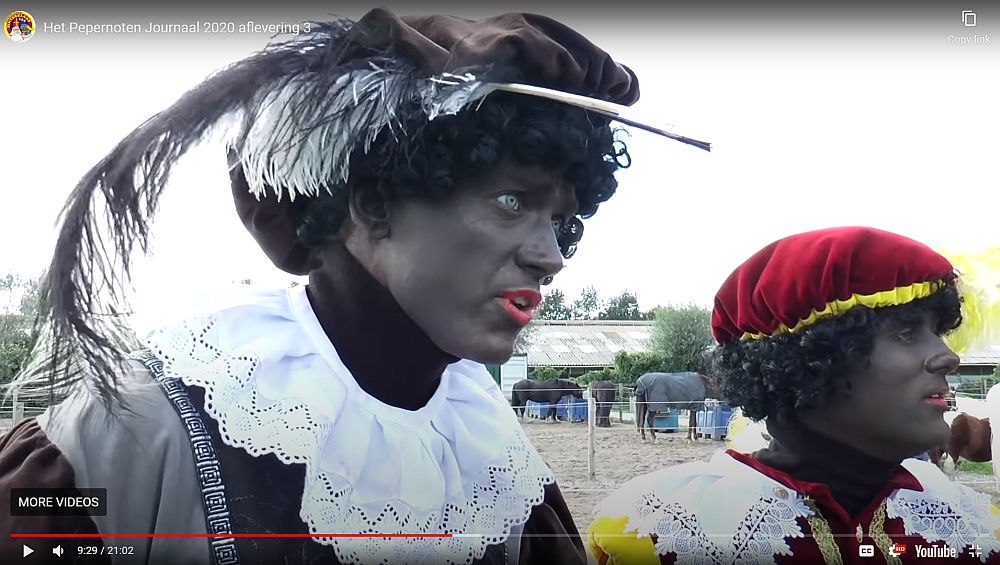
(544, 373)
(598, 375)
(651, 313)
(683, 336)
(554, 307)
(18, 333)
(630, 366)
(625, 306)
(587, 306)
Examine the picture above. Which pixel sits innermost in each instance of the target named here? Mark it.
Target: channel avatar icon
(19, 26)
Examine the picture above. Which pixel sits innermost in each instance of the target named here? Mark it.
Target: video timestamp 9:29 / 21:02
(109, 550)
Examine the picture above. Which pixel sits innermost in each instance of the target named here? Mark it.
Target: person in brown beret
(428, 174)
(837, 339)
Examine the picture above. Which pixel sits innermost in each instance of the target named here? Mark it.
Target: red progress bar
(232, 535)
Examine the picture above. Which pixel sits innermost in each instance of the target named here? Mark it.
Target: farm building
(514, 370)
(975, 366)
(580, 346)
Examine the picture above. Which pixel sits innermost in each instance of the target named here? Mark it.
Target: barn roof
(594, 343)
(585, 343)
(988, 356)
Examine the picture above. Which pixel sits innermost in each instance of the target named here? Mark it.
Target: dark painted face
(888, 413)
(468, 268)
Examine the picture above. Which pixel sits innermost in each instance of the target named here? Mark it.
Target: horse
(970, 440)
(604, 393)
(659, 392)
(542, 391)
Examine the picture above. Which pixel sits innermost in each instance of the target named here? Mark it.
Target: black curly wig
(775, 377)
(435, 155)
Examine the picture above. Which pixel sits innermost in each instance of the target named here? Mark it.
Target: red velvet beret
(798, 280)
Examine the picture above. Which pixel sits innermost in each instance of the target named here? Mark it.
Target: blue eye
(510, 201)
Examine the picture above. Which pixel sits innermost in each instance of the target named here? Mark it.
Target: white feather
(276, 152)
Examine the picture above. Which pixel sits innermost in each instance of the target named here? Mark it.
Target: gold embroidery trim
(823, 536)
(881, 538)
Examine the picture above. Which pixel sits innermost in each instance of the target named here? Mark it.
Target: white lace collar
(723, 511)
(276, 385)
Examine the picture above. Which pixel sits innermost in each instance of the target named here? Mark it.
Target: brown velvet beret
(542, 51)
(546, 52)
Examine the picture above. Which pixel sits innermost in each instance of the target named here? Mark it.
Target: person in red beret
(428, 174)
(837, 338)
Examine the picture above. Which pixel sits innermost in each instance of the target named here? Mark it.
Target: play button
(27, 551)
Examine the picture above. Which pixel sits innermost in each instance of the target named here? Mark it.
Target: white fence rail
(13, 410)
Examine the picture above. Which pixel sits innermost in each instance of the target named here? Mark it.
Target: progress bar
(246, 535)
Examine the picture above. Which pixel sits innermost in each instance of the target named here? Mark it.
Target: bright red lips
(521, 304)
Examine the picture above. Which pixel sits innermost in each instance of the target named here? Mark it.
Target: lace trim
(937, 520)
(758, 538)
(501, 496)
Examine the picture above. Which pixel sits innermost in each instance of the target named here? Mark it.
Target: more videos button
(58, 502)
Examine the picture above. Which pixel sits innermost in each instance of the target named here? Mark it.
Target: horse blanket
(664, 390)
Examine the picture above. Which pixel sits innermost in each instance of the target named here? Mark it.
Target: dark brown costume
(372, 334)
(263, 492)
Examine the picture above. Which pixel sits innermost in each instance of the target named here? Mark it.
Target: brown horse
(644, 415)
(970, 439)
(604, 393)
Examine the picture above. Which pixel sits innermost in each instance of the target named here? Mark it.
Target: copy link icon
(969, 18)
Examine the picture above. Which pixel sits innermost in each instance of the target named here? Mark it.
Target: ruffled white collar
(724, 511)
(276, 385)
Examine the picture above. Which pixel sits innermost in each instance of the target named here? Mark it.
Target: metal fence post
(618, 396)
(591, 424)
(18, 412)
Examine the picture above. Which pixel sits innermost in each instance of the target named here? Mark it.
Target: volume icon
(57, 551)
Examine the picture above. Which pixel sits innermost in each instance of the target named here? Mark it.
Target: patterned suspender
(206, 462)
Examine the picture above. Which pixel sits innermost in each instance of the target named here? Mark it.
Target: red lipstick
(938, 399)
(521, 304)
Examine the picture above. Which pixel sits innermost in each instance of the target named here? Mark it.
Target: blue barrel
(667, 422)
(539, 410)
(578, 410)
(571, 409)
(562, 409)
(714, 421)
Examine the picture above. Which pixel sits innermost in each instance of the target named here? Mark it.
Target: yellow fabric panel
(895, 297)
(979, 275)
(606, 537)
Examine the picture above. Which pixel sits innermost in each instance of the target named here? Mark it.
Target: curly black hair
(433, 156)
(775, 377)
